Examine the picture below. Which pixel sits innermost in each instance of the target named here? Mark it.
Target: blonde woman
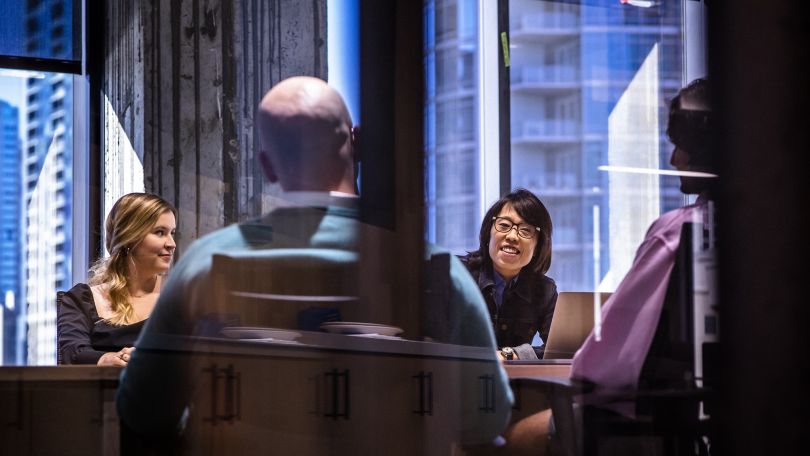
(98, 322)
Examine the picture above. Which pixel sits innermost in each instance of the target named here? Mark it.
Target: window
(36, 151)
(31, 30)
(565, 103)
(581, 74)
(451, 112)
(57, 10)
(31, 26)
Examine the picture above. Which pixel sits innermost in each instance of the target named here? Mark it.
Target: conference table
(39, 404)
(557, 368)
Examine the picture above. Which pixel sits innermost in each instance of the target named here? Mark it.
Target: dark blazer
(527, 306)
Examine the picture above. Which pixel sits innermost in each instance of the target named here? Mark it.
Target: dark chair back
(271, 287)
(59, 360)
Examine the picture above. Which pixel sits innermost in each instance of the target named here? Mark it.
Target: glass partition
(590, 84)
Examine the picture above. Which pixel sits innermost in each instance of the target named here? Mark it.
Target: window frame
(86, 73)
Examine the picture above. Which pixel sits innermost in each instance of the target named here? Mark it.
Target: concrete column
(184, 77)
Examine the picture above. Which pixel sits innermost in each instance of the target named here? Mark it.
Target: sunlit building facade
(47, 178)
(12, 342)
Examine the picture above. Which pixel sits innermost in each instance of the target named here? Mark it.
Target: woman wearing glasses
(513, 256)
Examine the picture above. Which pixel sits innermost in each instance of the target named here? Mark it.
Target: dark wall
(759, 55)
(392, 143)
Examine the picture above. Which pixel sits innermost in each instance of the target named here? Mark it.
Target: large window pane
(589, 87)
(451, 122)
(36, 141)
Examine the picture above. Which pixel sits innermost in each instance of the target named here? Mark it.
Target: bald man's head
(306, 137)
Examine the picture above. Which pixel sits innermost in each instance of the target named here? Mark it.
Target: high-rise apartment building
(451, 110)
(47, 176)
(11, 332)
(589, 86)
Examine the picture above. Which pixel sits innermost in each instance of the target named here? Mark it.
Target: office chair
(59, 360)
(270, 288)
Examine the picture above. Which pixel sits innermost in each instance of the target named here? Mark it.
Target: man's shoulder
(669, 224)
(197, 257)
(227, 234)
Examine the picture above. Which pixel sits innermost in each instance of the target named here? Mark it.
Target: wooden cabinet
(334, 395)
(67, 410)
(259, 405)
(310, 400)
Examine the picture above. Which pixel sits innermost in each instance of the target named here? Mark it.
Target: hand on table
(119, 358)
(503, 357)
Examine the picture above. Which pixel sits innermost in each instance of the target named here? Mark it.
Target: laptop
(571, 323)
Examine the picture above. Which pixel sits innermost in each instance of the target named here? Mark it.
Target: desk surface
(558, 369)
(58, 373)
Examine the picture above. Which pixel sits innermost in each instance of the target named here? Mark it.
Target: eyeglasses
(524, 230)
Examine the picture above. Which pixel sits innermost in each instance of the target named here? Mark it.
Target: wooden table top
(559, 369)
(59, 373)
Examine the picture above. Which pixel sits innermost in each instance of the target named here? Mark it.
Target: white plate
(350, 327)
(247, 332)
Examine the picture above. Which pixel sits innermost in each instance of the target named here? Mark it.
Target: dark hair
(689, 129)
(530, 209)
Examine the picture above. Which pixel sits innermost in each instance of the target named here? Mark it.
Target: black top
(82, 335)
(527, 306)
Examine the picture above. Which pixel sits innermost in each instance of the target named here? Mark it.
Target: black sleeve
(74, 325)
(547, 302)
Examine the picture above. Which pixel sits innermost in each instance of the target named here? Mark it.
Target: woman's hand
(502, 354)
(119, 358)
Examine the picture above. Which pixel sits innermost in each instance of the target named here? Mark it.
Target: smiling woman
(98, 322)
(509, 266)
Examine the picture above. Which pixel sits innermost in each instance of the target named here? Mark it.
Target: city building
(47, 176)
(12, 341)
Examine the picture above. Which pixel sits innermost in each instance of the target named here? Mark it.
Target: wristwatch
(508, 353)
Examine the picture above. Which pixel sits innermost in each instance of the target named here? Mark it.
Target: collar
(485, 278)
(702, 199)
(520, 284)
(317, 199)
(523, 284)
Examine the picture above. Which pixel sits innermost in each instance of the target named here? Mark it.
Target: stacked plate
(248, 332)
(364, 329)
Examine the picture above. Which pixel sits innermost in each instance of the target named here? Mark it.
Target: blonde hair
(131, 218)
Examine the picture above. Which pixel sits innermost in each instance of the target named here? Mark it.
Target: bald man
(307, 137)
(307, 141)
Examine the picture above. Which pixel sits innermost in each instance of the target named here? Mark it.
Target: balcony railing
(545, 128)
(539, 74)
(544, 22)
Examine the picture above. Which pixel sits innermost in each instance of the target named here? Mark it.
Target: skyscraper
(451, 110)
(11, 344)
(47, 176)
